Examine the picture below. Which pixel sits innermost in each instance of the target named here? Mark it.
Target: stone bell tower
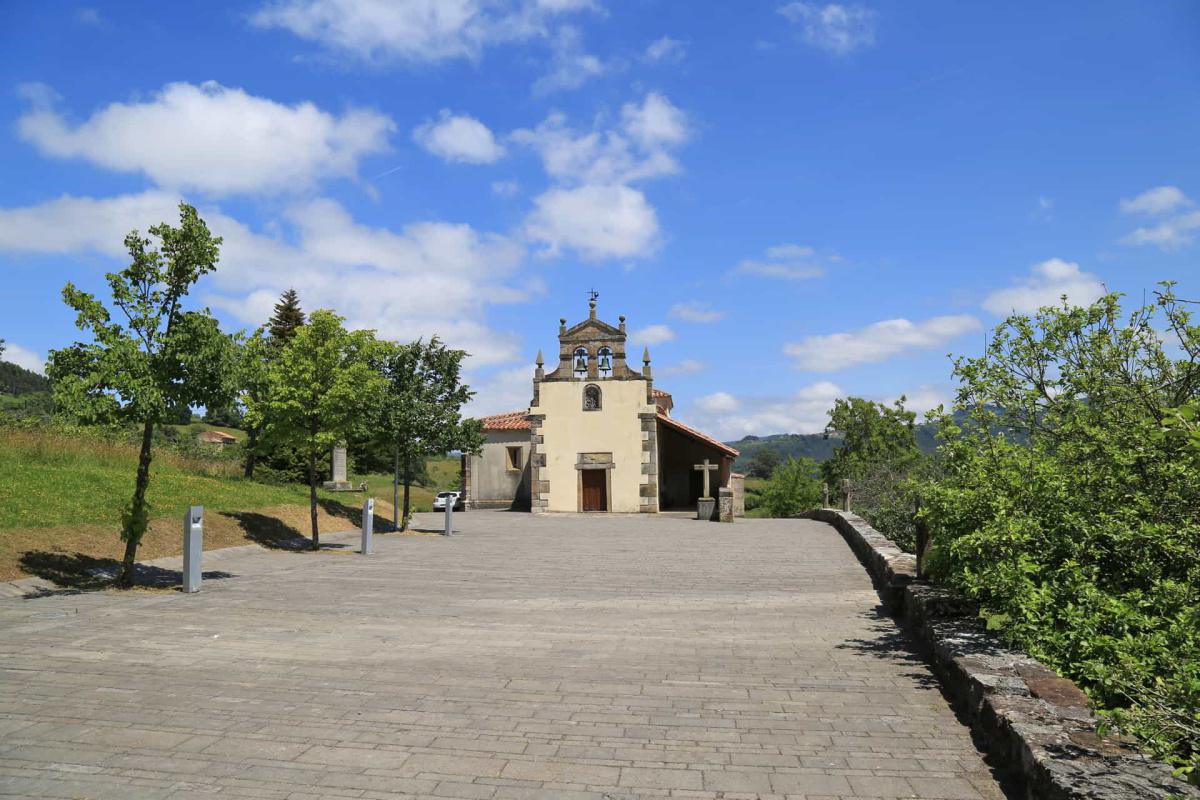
(593, 435)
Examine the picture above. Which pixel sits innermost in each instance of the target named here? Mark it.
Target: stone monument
(725, 504)
(706, 506)
(338, 482)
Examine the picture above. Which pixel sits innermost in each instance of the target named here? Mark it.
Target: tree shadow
(334, 508)
(268, 531)
(77, 572)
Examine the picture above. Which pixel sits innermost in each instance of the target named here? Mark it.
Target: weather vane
(593, 295)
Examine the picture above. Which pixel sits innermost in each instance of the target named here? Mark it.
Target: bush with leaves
(1071, 514)
(792, 489)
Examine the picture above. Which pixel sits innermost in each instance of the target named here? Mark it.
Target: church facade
(596, 437)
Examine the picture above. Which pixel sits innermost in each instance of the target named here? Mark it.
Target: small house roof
(695, 434)
(509, 421)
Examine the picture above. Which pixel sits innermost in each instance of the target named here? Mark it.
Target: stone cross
(706, 468)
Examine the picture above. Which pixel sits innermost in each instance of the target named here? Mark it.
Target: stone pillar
(725, 504)
(845, 494)
(193, 548)
(706, 507)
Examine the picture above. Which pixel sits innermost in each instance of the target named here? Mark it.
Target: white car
(439, 502)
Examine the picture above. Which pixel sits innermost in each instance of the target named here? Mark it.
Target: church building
(597, 436)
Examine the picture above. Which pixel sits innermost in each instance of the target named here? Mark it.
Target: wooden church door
(595, 490)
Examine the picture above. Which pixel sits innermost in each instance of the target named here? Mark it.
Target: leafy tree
(420, 414)
(1073, 517)
(16, 380)
(793, 488)
(871, 434)
(229, 416)
(161, 358)
(319, 388)
(764, 463)
(287, 318)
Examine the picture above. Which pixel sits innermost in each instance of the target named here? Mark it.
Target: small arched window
(591, 397)
(604, 362)
(580, 362)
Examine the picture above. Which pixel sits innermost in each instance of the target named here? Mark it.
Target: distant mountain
(17, 380)
(811, 445)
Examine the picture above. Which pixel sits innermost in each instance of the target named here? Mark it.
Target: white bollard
(449, 516)
(368, 526)
(193, 547)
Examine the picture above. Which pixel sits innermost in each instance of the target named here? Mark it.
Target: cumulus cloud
(425, 278)
(598, 222)
(416, 31)
(1045, 286)
(652, 334)
(505, 188)
(211, 138)
(459, 138)
(835, 28)
(877, 342)
(23, 357)
(570, 65)
(1159, 200)
(729, 417)
(593, 210)
(665, 49)
(502, 390)
(790, 262)
(718, 402)
(695, 311)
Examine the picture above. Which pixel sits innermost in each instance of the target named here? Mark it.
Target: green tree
(161, 358)
(319, 389)
(764, 462)
(420, 414)
(793, 488)
(287, 318)
(871, 434)
(1072, 517)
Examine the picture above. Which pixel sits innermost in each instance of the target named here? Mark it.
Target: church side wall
(493, 483)
(616, 428)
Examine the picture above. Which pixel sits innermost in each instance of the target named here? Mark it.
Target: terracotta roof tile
(695, 434)
(510, 421)
(659, 393)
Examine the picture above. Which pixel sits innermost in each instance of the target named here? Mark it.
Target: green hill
(16, 380)
(816, 446)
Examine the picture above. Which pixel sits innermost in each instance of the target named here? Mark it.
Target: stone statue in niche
(591, 398)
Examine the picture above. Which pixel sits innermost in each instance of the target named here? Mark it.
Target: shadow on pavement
(77, 572)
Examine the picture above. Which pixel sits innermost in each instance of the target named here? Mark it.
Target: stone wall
(1028, 715)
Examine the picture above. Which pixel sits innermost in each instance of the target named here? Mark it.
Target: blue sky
(789, 201)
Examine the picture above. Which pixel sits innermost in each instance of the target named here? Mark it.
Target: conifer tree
(287, 318)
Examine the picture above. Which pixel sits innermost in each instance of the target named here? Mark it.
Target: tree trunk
(135, 522)
(407, 483)
(312, 499)
(251, 455)
(396, 491)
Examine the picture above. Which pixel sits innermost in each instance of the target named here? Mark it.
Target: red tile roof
(510, 421)
(695, 434)
(659, 393)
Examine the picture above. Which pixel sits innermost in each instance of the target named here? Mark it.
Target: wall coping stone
(1027, 714)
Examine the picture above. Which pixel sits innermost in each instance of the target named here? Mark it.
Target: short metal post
(193, 547)
(449, 516)
(368, 526)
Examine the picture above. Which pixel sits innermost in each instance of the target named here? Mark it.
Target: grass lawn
(61, 499)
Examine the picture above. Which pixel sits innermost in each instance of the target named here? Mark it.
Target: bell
(605, 363)
(581, 363)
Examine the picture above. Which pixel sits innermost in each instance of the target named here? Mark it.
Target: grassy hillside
(15, 380)
(811, 445)
(61, 497)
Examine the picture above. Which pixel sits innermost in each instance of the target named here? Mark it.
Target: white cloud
(1159, 200)
(91, 18)
(503, 390)
(425, 278)
(599, 222)
(836, 28)
(665, 49)
(877, 342)
(505, 188)
(1172, 234)
(695, 311)
(787, 262)
(418, 31)
(570, 65)
(689, 366)
(211, 138)
(731, 418)
(652, 334)
(1045, 286)
(23, 357)
(593, 210)
(459, 138)
(718, 402)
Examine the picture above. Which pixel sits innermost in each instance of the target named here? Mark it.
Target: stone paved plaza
(527, 657)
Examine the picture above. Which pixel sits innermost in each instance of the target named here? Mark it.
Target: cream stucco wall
(493, 484)
(616, 428)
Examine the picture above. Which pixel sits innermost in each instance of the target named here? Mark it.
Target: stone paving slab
(527, 657)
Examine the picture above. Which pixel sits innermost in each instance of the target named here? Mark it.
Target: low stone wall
(1029, 716)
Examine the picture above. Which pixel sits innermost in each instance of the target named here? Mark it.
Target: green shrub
(793, 488)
